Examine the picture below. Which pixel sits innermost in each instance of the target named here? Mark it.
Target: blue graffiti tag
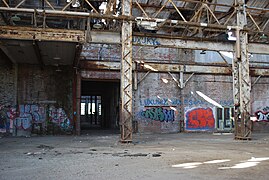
(146, 41)
(178, 102)
(159, 114)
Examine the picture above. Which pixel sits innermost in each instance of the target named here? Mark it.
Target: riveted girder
(126, 75)
(242, 83)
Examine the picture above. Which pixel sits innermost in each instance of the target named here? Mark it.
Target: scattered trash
(57, 153)
(42, 146)
(156, 155)
(33, 153)
(136, 155)
(77, 152)
(37, 153)
(29, 153)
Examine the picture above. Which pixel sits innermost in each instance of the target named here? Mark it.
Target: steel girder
(126, 113)
(242, 82)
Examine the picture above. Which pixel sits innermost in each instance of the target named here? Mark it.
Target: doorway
(99, 105)
(225, 118)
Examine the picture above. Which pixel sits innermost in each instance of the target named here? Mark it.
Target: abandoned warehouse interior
(161, 66)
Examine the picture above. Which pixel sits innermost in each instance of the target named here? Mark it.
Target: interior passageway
(99, 105)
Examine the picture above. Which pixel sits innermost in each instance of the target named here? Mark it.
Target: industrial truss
(242, 83)
(202, 22)
(126, 119)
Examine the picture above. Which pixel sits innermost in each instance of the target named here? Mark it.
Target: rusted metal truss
(126, 90)
(205, 21)
(242, 83)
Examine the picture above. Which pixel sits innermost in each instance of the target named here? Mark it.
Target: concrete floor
(156, 156)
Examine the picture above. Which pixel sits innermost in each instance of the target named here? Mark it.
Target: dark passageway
(99, 105)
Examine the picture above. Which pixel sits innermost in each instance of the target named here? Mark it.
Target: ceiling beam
(163, 67)
(139, 39)
(41, 34)
(156, 40)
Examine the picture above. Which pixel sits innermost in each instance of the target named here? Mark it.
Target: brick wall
(48, 85)
(164, 107)
(7, 81)
(43, 96)
(154, 101)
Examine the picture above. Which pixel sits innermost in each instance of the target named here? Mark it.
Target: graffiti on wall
(58, 116)
(262, 116)
(159, 114)
(29, 114)
(200, 119)
(178, 102)
(265, 109)
(24, 123)
(7, 117)
(146, 40)
(33, 112)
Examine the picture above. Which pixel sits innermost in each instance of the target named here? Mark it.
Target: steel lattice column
(242, 83)
(126, 75)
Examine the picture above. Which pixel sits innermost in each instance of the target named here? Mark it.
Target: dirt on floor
(100, 155)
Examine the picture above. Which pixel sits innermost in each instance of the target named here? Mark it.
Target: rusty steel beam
(126, 88)
(99, 65)
(141, 39)
(67, 14)
(173, 68)
(41, 34)
(97, 74)
(241, 78)
(84, 15)
(78, 97)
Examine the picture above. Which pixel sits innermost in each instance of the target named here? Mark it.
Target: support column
(126, 114)
(241, 78)
(78, 96)
(181, 109)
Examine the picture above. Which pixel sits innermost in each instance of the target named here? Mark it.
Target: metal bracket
(256, 80)
(181, 84)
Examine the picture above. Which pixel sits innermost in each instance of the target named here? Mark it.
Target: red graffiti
(200, 119)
